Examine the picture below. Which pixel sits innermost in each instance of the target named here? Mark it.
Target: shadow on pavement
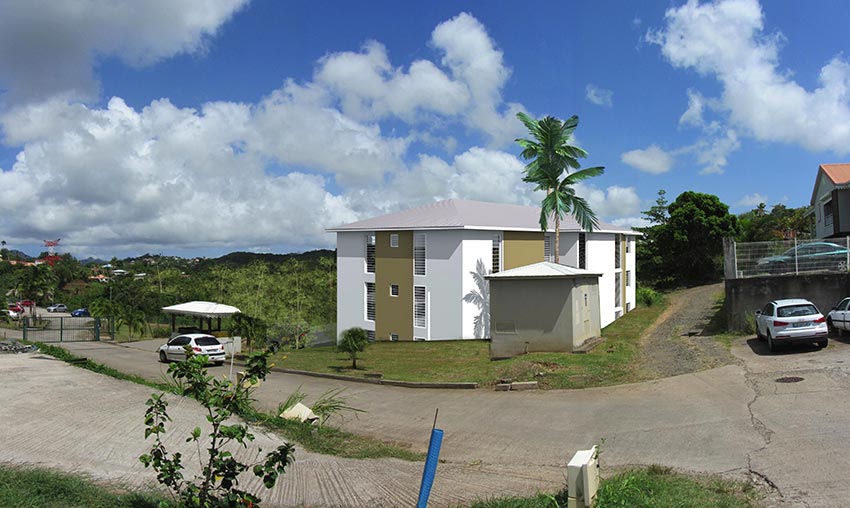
(760, 348)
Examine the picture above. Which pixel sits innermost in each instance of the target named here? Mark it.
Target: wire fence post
(796, 265)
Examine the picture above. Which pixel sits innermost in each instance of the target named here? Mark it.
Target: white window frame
(394, 287)
(393, 337)
(420, 300)
(370, 242)
(420, 243)
(394, 240)
(496, 253)
(367, 286)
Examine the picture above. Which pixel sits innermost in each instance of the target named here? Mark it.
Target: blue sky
(207, 126)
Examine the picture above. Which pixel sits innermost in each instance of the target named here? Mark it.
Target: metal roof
(465, 214)
(543, 270)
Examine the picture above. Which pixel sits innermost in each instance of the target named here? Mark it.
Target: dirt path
(681, 340)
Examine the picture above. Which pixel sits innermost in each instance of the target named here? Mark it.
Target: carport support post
(61, 328)
(97, 328)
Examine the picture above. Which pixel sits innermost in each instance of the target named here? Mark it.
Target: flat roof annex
(466, 214)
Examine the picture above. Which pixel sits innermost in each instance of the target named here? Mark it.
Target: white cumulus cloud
(726, 39)
(752, 200)
(599, 96)
(50, 47)
(652, 159)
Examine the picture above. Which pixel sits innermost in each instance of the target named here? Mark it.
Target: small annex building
(542, 307)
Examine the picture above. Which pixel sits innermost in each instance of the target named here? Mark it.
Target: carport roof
(202, 309)
(543, 270)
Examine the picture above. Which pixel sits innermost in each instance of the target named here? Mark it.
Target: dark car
(83, 312)
(807, 257)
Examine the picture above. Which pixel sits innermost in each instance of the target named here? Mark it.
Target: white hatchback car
(791, 321)
(200, 343)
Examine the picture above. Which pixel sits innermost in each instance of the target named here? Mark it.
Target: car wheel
(829, 326)
(162, 357)
(823, 343)
(770, 345)
(219, 363)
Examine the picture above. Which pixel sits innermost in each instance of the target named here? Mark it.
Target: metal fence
(67, 329)
(786, 257)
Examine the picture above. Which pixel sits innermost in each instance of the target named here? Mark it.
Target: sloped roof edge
(543, 270)
(466, 214)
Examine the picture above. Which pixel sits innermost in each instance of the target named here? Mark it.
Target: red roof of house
(838, 173)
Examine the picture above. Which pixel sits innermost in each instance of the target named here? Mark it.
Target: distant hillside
(19, 255)
(237, 259)
(92, 261)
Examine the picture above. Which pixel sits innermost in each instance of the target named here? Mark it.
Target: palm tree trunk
(557, 238)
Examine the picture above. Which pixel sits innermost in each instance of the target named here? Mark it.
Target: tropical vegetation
(282, 297)
(551, 157)
(683, 244)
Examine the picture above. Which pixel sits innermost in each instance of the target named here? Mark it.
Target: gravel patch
(682, 340)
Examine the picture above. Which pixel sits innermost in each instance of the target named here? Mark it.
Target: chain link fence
(785, 257)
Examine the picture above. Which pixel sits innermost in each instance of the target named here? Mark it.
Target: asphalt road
(736, 420)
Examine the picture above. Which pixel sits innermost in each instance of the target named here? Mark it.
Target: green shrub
(648, 296)
(353, 341)
(160, 331)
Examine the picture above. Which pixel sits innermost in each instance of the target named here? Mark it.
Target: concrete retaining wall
(745, 296)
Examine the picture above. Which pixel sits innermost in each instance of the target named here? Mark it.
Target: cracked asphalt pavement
(800, 408)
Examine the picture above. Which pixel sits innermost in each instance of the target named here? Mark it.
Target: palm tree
(36, 282)
(481, 299)
(552, 155)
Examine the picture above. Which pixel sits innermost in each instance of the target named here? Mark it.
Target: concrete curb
(389, 382)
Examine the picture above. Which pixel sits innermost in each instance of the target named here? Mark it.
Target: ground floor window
(420, 318)
(370, 301)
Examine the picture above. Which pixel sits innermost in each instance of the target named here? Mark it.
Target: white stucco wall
(631, 264)
(351, 281)
(600, 258)
(476, 245)
(444, 285)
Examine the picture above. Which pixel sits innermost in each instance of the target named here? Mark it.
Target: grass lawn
(39, 488)
(468, 360)
(650, 487)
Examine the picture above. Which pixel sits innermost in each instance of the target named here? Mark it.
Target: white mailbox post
(583, 478)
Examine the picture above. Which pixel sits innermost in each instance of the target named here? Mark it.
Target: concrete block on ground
(524, 385)
(503, 387)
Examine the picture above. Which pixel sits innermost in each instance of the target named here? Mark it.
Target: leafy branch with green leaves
(217, 484)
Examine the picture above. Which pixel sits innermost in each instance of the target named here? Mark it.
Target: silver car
(791, 321)
(200, 344)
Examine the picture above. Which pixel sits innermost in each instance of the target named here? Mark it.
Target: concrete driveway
(736, 420)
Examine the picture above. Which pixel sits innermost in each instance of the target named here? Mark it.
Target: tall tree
(693, 237)
(551, 157)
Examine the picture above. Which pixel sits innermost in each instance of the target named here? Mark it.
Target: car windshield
(796, 310)
(207, 341)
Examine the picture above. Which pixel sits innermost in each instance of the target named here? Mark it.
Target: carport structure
(200, 310)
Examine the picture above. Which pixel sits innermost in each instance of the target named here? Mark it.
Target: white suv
(199, 343)
(791, 321)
